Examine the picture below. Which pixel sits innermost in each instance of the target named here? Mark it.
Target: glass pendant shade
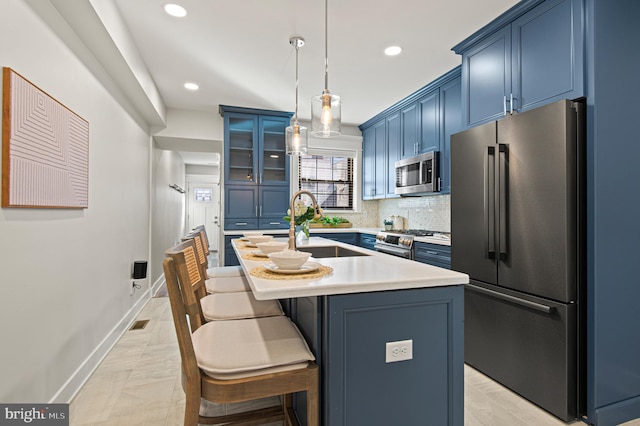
(325, 108)
(325, 115)
(297, 139)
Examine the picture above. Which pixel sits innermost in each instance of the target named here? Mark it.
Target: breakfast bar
(387, 332)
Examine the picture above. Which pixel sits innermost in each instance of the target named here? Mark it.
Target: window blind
(329, 178)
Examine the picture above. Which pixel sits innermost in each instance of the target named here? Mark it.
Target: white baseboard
(73, 385)
(156, 286)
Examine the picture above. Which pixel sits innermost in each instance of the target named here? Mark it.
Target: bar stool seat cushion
(240, 305)
(235, 349)
(225, 271)
(227, 284)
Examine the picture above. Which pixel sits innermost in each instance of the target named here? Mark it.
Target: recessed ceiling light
(392, 50)
(191, 86)
(175, 10)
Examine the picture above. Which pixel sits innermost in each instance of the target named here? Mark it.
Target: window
(203, 195)
(329, 178)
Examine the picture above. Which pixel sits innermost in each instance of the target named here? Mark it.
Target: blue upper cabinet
(256, 168)
(547, 59)
(486, 70)
(410, 129)
(422, 122)
(451, 122)
(429, 122)
(241, 146)
(393, 147)
(273, 165)
(529, 56)
(374, 155)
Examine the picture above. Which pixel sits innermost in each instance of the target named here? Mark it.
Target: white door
(203, 206)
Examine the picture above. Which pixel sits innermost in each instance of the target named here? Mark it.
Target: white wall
(65, 274)
(168, 208)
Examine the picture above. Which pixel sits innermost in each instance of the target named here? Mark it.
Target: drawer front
(273, 224)
(433, 254)
(528, 350)
(367, 241)
(241, 224)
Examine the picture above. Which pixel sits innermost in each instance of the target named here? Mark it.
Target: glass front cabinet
(256, 168)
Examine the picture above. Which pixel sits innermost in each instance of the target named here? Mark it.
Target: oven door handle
(394, 251)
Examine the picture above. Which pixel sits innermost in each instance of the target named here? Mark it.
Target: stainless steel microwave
(419, 174)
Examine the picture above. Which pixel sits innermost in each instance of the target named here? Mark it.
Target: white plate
(307, 267)
(259, 253)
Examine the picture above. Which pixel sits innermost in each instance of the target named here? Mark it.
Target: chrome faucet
(292, 222)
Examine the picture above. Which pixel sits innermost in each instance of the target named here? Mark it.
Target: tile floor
(138, 383)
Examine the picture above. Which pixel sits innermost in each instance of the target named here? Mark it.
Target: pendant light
(325, 108)
(296, 135)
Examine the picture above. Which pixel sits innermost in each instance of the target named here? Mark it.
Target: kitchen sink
(331, 251)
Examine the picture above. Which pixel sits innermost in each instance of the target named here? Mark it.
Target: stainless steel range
(400, 242)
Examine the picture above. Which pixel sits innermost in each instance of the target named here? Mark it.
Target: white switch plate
(400, 350)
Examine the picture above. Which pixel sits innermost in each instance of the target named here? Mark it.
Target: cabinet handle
(256, 211)
(274, 223)
(504, 105)
(260, 210)
(241, 223)
(511, 104)
(434, 253)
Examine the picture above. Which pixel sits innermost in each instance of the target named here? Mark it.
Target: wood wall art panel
(45, 149)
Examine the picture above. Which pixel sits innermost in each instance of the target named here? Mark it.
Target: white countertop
(358, 274)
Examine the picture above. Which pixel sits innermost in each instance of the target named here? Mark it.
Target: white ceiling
(238, 51)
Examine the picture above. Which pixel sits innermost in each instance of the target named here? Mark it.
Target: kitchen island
(387, 333)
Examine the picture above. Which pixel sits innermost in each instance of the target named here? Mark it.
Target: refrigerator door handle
(504, 178)
(489, 203)
(526, 303)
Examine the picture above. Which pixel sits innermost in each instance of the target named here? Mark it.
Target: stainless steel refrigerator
(517, 229)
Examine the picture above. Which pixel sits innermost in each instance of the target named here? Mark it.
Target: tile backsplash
(428, 212)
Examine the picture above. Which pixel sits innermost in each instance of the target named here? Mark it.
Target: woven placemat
(251, 256)
(262, 272)
(245, 246)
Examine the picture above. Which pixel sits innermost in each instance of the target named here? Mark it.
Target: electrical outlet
(400, 350)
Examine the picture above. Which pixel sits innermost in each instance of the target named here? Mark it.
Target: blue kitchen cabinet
(273, 205)
(420, 124)
(393, 153)
(451, 122)
(367, 241)
(348, 334)
(374, 173)
(255, 207)
(230, 258)
(410, 137)
(433, 254)
(429, 122)
(256, 168)
(343, 237)
(530, 56)
(427, 118)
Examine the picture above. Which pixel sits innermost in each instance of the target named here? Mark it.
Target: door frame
(196, 179)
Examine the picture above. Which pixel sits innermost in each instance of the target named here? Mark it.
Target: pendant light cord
(296, 113)
(326, 46)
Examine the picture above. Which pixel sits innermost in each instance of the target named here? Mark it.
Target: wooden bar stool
(217, 271)
(236, 361)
